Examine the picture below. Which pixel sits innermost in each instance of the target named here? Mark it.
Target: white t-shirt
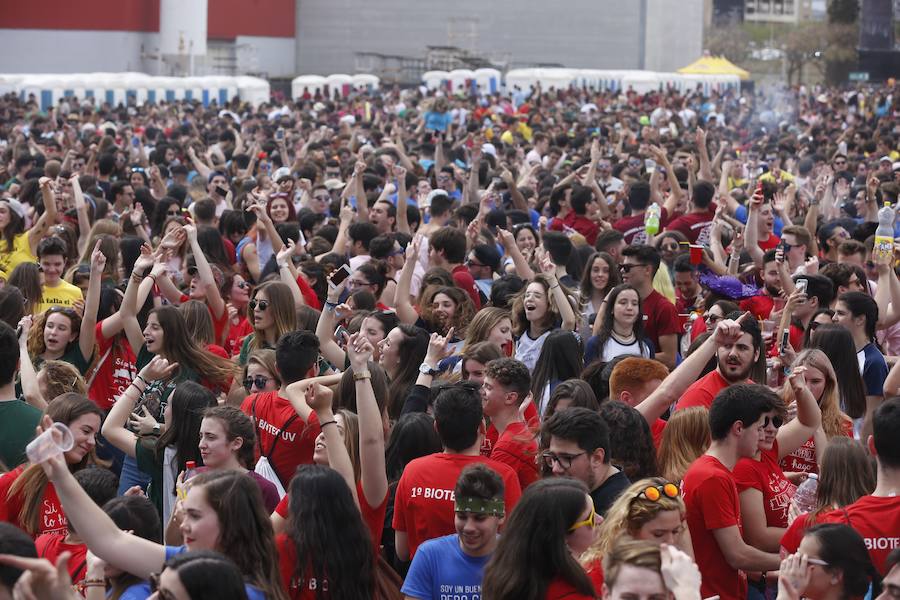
(528, 350)
(613, 348)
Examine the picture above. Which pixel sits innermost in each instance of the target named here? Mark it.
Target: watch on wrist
(426, 369)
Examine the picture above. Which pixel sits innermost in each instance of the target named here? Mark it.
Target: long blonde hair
(834, 422)
(685, 438)
(628, 514)
(481, 324)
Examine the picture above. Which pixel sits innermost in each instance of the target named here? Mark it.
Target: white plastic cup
(55, 440)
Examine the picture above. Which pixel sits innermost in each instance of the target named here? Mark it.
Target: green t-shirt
(156, 395)
(72, 356)
(17, 422)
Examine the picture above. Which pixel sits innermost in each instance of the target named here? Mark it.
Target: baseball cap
(333, 184)
(15, 206)
(281, 173)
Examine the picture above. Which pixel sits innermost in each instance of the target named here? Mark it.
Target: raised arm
(402, 200)
(201, 167)
(809, 416)
(405, 311)
(751, 229)
(328, 346)
(662, 160)
(569, 319)
(287, 273)
(123, 550)
(88, 335)
(703, 151)
(40, 227)
(30, 388)
(84, 223)
(373, 476)
(129, 309)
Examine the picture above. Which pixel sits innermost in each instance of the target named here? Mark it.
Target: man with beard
(734, 361)
(761, 305)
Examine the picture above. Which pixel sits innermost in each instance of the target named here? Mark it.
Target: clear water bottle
(805, 496)
(190, 469)
(651, 220)
(884, 235)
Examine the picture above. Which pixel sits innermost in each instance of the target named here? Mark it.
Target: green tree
(842, 15)
(731, 41)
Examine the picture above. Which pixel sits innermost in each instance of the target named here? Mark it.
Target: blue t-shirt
(873, 368)
(138, 591)
(440, 569)
(253, 593)
(740, 213)
(435, 121)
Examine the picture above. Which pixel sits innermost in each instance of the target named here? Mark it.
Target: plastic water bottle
(190, 469)
(805, 496)
(651, 220)
(884, 235)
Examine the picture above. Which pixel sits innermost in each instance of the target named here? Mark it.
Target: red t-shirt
(309, 296)
(657, 428)
(295, 443)
(560, 589)
(662, 318)
(695, 226)
(791, 539)
(803, 459)
(632, 227)
(703, 391)
(595, 574)
(518, 449)
(373, 516)
(491, 435)
(423, 506)
(579, 223)
(116, 371)
(711, 497)
(51, 545)
(759, 306)
(464, 281)
(769, 243)
(52, 520)
(877, 520)
(236, 335)
(766, 476)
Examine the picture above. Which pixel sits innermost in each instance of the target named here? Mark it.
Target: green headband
(469, 504)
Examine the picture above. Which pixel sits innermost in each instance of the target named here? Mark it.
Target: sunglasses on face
(775, 421)
(259, 381)
(589, 522)
(258, 304)
(627, 268)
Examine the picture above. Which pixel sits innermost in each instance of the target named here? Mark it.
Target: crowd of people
(543, 344)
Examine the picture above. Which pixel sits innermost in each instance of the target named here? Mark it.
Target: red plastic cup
(696, 254)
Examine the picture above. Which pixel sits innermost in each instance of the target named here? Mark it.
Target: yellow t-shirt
(20, 253)
(65, 294)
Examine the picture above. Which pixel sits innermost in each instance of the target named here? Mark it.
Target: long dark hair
(837, 344)
(606, 327)
(138, 515)
(236, 425)
(587, 288)
(413, 436)
(862, 305)
(208, 574)
(844, 550)
(27, 277)
(532, 551)
(210, 241)
(189, 402)
(245, 535)
(630, 443)
(179, 347)
(561, 358)
(412, 348)
(15, 226)
(329, 536)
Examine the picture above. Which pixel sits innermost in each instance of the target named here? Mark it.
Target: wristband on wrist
(363, 374)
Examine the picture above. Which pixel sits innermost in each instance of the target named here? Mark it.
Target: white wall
(674, 34)
(61, 51)
(273, 56)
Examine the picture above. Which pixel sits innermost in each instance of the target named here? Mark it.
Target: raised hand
(359, 351)
(158, 368)
(98, 259)
(438, 348)
(318, 397)
(728, 331)
(142, 422)
(680, 573)
(286, 252)
(793, 577)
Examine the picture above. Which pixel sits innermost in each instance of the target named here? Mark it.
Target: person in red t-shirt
(877, 517)
(711, 496)
(582, 202)
(832, 562)
(286, 433)
(735, 359)
(765, 492)
(423, 506)
(761, 305)
(696, 224)
(632, 226)
(505, 393)
(639, 266)
(447, 249)
(633, 380)
(557, 517)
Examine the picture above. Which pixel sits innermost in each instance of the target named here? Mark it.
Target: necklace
(623, 338)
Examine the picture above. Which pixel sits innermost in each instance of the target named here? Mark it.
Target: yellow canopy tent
(714, 65)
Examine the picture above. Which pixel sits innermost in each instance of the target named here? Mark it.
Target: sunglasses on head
(260, 304)
(259, 381)
(654, 492)
(775, 421)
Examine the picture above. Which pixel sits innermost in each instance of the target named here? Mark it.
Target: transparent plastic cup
(53, 441)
